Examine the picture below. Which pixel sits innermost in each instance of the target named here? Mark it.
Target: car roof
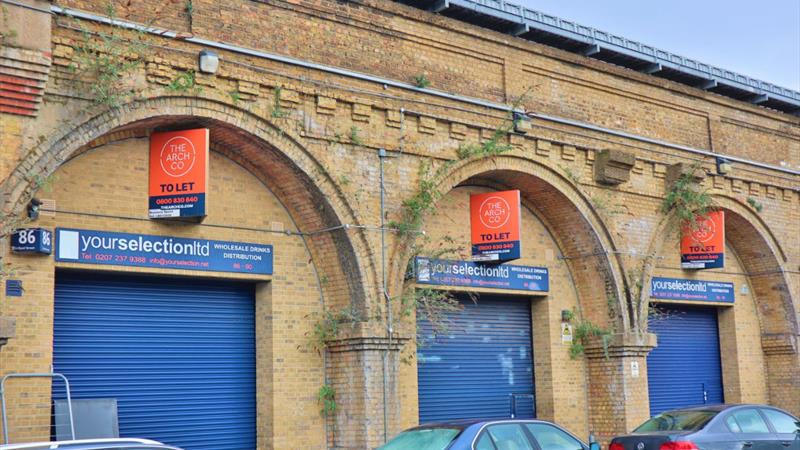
(722, 407)
(85, 444)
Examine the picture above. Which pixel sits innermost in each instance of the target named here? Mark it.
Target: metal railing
(47, 401)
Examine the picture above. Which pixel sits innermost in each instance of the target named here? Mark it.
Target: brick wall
(316, 166)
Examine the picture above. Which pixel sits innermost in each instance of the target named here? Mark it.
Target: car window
(732, 425)
(485, 443)
(509, 436)
(551, 438)
(423, 439)
(783, 423)
(688, 420)
(750, 421)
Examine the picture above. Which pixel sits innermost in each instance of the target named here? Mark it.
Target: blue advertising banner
(693, 290)
(444, 272)
(32, 240)
(144, 250)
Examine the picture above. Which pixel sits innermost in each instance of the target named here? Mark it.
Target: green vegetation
(326, 396)
(421, 81)
(107, 61)
(687, 200)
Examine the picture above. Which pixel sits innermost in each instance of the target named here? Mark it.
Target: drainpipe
(389, 315)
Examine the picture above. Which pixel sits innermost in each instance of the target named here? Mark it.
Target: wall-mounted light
(209, 61)
(724, 166)
(522, 123)
(33, 208)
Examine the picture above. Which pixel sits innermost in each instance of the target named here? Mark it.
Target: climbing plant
(582, 334)
(326, 396)
(686, 199)
(327, 326)
(107, 61)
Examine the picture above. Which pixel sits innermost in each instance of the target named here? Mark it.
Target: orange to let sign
(178, 174)
(495, 222)
(703, 244)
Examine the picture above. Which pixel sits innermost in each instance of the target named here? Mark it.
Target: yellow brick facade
(296, 148)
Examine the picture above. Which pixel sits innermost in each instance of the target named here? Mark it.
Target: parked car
(488, 435)
(93, 444)
(719, 427)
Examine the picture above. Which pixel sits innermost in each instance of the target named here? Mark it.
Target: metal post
(34, 375)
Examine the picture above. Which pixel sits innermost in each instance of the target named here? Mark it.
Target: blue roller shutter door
(472, 369)
(684, 370)
(177, 354)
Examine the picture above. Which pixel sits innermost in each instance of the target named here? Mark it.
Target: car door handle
(747, 444)
(786, 443)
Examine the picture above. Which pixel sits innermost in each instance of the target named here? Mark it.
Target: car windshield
(677, 421)
(423, 439)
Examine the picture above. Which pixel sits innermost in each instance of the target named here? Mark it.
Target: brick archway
(762, 259)
(583, 240)
(273, 155)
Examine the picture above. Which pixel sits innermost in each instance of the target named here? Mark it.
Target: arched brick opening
(585, 246)
(277, 158)
(762, 259)
(584, 242)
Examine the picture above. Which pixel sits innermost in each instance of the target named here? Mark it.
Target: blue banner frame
(164, 252)
(692, 290)
(443, 272)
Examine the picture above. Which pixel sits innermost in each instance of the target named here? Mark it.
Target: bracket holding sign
(32, 241)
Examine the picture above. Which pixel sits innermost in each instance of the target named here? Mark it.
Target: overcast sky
(760, 39)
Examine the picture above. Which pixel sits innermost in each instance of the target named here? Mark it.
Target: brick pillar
(618, 399)
(355, 367)
(783, 370)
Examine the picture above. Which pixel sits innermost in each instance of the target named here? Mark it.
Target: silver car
(93, 444)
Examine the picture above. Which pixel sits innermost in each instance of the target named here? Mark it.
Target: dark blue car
(719, 427)
(488, 435)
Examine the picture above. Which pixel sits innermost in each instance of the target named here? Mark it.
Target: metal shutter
(177, 354)
(686, 363)
(484, 357)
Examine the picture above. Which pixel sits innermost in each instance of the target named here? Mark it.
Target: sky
(760, 39)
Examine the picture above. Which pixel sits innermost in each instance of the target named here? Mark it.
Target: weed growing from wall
(421, 81)
(184, 82)
(277, 111)
(755, 204)
(326, 396)
(583, 333)
(327, 327)
(107, 62)
(686, 199)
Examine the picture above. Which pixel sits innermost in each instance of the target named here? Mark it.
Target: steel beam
(708, 84)
(758, 99)
(590, 50)
(653, 68)
(439, 6)
(519, 29)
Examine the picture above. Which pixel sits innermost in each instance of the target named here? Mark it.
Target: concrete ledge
(779, 344)
(366, 344)
(613, 166)
(621, 346)
(676, 171)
